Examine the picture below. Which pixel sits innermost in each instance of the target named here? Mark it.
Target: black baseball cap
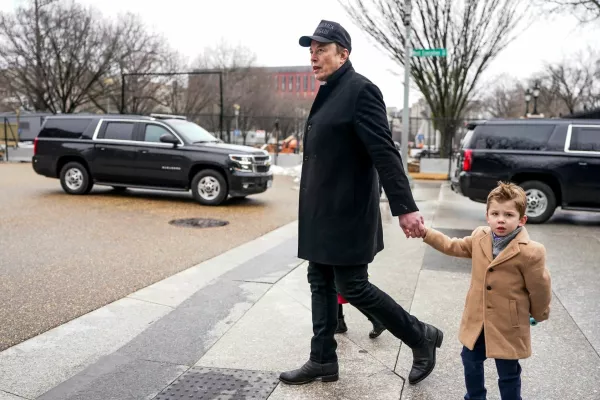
(329, 32)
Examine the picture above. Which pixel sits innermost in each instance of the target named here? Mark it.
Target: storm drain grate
(198, 222)
(221, 384)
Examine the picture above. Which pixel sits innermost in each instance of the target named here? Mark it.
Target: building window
(312, 83)
(291, 83)
(306, 83)
(276, 82)
(298, 83)
(283, 83)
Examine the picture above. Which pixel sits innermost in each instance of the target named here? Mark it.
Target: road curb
(429, 176)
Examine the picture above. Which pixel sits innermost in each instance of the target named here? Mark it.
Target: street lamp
(536, 94)
(527, 100)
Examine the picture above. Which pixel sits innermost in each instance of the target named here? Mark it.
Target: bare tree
(473, 32)
(138, 51)
(54, 53)
(585, 10)
(507, 98)
(572, 81)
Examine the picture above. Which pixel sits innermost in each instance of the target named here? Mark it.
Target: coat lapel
(486, 245)
(512, 249)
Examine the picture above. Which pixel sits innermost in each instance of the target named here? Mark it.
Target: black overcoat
(347, 143)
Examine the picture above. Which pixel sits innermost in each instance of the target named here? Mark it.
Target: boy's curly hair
(506, 191)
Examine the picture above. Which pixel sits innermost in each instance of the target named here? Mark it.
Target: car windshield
(193, 132)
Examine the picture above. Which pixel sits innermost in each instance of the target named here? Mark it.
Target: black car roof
(539, 121)
(102, 116)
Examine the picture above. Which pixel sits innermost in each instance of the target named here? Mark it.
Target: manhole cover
(217, 383)
(198, 222)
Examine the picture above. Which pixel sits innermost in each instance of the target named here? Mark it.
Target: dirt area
(62, 256)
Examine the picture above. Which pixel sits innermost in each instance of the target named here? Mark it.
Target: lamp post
(536, 94)
(527, 100)
(405, 113)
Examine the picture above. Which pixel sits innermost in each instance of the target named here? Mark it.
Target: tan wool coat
(504, 291)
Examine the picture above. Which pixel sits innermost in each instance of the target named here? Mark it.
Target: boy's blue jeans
(509, 374)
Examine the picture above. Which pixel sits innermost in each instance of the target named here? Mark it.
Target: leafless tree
(54, 53)
(473, 32)
(585, 10)
(139, 51)
(572, 81)
(507, 98)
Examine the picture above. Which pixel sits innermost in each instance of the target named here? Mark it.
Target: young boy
(509, 282)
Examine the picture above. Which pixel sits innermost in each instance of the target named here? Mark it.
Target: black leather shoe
(341, 327)
(311, 371)
(424, 356)
(377, 330)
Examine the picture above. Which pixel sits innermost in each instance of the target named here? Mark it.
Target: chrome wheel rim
(537, 202)
(209, 188)
(74, 179)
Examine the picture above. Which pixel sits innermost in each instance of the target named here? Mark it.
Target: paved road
(62, 256)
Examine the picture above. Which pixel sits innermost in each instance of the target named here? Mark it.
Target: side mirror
(167, 138)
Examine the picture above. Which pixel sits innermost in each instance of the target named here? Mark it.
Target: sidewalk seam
(16, 395)
(576, 324)
(439, 199)
(242, 316)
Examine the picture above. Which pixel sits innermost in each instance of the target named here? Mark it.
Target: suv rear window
(511, 137)
(65, 128)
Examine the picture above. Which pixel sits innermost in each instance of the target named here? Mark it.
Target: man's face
(325, 59)
(503, 217)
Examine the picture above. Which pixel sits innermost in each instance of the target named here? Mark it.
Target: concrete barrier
(434, 165)
(286, 159)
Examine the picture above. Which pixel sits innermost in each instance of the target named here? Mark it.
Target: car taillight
(467, 160)
(35, 142)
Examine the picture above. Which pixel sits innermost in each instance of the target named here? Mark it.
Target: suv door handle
(143, 151)
(583, 164)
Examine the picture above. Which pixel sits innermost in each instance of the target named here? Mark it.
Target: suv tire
(538, 193)
(75, 179)
(209, 187)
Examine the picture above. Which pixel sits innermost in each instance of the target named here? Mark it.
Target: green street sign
(429, 52)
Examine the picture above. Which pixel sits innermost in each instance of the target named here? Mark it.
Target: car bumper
(242, 184)
(474, 186)
(43, 166)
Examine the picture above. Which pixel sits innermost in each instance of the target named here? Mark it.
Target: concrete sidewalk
(226, 328)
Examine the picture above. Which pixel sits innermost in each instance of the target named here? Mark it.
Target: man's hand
(413, 225)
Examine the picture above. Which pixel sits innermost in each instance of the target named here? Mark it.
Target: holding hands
(413, 225)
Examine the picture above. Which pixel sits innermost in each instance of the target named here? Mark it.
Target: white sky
(271, 28)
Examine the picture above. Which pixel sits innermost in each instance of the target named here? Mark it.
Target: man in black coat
(347, 145)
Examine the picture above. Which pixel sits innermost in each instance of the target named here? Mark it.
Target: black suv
(158, 152)
(556, 161)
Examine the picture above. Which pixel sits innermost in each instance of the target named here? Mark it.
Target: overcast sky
(271, 28)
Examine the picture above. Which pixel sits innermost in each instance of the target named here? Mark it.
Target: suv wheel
(209, 187)
(75, 179)
(541, 201)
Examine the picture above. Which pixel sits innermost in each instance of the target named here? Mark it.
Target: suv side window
(585, 138)
(153, 132)
(118, 130)
(512, 137)
(66, 128)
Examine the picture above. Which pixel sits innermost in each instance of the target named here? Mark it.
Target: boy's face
(503, 217)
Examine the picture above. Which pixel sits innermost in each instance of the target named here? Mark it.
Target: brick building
(290, 82)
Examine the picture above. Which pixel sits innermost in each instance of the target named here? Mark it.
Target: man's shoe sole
(325, 378)
(438, 344)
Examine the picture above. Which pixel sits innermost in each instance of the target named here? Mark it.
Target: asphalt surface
(62, 256)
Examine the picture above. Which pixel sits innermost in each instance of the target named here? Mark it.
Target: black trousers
(509, 374)
(352, 282)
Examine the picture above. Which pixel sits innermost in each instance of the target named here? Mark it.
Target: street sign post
(429, 52)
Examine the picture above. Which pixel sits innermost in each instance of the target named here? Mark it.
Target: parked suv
(157, 152)
(556, 162)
